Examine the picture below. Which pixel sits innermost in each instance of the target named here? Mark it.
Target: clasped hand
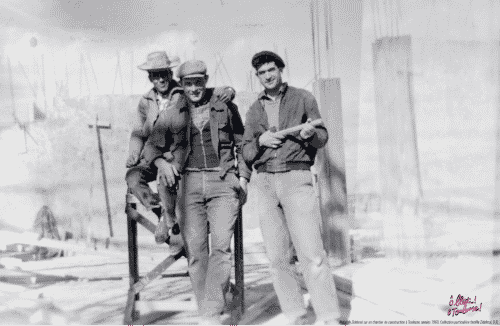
(167, 173)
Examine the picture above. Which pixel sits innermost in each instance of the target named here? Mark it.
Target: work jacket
(296, 106)
(146, 115)
(226, 131)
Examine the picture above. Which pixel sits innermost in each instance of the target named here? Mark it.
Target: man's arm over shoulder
(238, 132)
(321, 136)
(155, 145)
(175, 125)
(228, 91)
(251, 147)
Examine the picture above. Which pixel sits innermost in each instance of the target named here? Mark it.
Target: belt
(290, 166)
(217, 169)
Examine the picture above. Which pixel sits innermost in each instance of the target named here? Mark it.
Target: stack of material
(46, 226)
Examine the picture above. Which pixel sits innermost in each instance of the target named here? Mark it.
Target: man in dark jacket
(164, 96)
(289, 214)
(213, 188)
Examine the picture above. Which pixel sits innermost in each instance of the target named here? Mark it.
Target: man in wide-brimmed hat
(161, 100)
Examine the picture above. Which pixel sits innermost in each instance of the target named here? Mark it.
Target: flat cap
(192, 68)
(264, 57)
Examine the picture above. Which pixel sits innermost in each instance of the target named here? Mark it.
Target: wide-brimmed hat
(159, 61)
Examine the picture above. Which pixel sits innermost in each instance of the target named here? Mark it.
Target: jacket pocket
(225, 139)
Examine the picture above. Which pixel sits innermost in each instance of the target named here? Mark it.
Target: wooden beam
(145, 307)
(139, 218)
(254, 311)
(128, 314)
(30, 238)
(156, 272)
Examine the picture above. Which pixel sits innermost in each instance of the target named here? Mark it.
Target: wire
(386, 18)
(327, 38)
(316, 12)
(313, 39)
(391, 16)
(400, 16)
(332, 39)
(377, 9)
(374, 20)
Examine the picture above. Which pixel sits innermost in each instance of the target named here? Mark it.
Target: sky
(190, 29)
(81, 42)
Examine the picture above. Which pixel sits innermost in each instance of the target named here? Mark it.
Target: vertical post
(133, 268)
(330, 164)
(133, 265)
(105, 183)
(103, 169)
(238, 270)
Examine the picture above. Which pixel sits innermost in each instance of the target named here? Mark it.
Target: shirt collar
(263, 95)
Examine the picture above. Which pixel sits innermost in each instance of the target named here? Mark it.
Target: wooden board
(29, 238)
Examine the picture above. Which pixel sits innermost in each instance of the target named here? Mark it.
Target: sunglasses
(160, 74)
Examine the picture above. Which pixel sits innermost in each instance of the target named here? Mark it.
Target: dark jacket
(226, 130)
(169, 135)
(297, 105)
(145, 116)
(147, 113)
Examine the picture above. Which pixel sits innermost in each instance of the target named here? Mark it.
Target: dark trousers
(138, 178)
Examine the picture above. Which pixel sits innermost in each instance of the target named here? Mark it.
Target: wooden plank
(145, 307)
(30, 238)
(128, 317)
(156, 272)
(254, 311)
(139, 218)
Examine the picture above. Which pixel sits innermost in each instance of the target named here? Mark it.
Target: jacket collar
(213, 101)
(282, 90)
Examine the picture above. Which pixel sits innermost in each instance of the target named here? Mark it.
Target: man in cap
(288, 212)
(164, 95)
(213, 188)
